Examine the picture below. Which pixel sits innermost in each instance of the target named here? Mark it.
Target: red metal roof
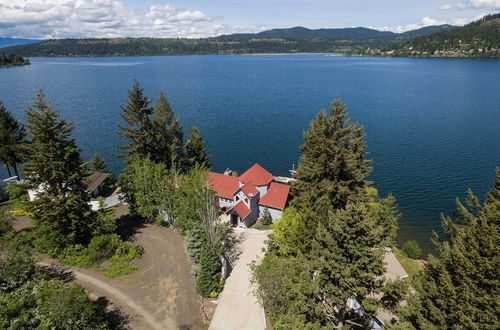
(242, 210)
(224, 185)
(258, 175)
(276, 196)
(249, 189)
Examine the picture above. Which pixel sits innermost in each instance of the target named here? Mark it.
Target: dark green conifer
(12, 136)
(168, 135)
(195, 150)
(207, 281)
(460, 288)
(348, 260)
(332, 169)
(136, 113)
(266, 218)
(55, 170)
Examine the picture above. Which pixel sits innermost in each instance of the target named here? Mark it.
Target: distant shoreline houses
(245, 198)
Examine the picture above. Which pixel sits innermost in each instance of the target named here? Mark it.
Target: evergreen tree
(136, 113)
(288, 292)
(98, 164)
(12, 136)
(168, 135)
(194, 242)
(195, 150)
(266, 218)
(386, 213)
(55, 170)
(347, 259)
(207, 281)
(460, 288)
(332, 169)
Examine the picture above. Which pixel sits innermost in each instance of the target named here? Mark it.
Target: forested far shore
(293, 40)
(480, 38)
(12, 60)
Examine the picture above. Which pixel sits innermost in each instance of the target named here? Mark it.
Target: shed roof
(276, 196)
(95, 180)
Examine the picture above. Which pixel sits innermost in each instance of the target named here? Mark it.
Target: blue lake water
(432, 124)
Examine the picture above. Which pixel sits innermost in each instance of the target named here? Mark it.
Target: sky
(41, 19)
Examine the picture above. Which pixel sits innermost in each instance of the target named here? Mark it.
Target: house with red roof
(244, 198)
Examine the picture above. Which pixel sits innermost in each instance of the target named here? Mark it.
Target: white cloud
(427, 21)
(104, 18)
(472, 4)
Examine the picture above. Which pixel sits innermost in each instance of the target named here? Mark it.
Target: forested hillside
(480, 38)
(294, 40)
(12, 59)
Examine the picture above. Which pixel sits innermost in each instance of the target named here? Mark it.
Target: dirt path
(161, 293)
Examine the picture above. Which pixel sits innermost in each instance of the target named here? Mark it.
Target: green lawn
(411, 266)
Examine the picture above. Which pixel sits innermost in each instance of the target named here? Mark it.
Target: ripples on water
(432, 124)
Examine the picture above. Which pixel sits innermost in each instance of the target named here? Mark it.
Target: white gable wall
(262, 190)
(275, 213)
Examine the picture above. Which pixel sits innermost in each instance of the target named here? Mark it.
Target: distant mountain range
(6, 42)
(292, 40)
(343, 33)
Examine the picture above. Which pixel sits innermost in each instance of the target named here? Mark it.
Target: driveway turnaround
(237, 307)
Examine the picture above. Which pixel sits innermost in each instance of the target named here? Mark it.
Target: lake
(432, 124)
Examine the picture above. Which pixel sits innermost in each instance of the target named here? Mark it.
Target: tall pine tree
(460, 288)
(195, 150)
(12, 136)
(347, 259)
(55, 170)
(168, 135)
(136, 113)
(332, 169)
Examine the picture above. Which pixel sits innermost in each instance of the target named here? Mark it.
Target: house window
(237, 198)
(246, 200)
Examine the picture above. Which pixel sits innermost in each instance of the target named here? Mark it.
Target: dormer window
(237, 198)
(246, 200)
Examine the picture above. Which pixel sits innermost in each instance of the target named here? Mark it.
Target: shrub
(16, 266)
(118, 268)
(119, 264)
(207, 280)
(103, 247)
(17, 191)
(412, 250)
